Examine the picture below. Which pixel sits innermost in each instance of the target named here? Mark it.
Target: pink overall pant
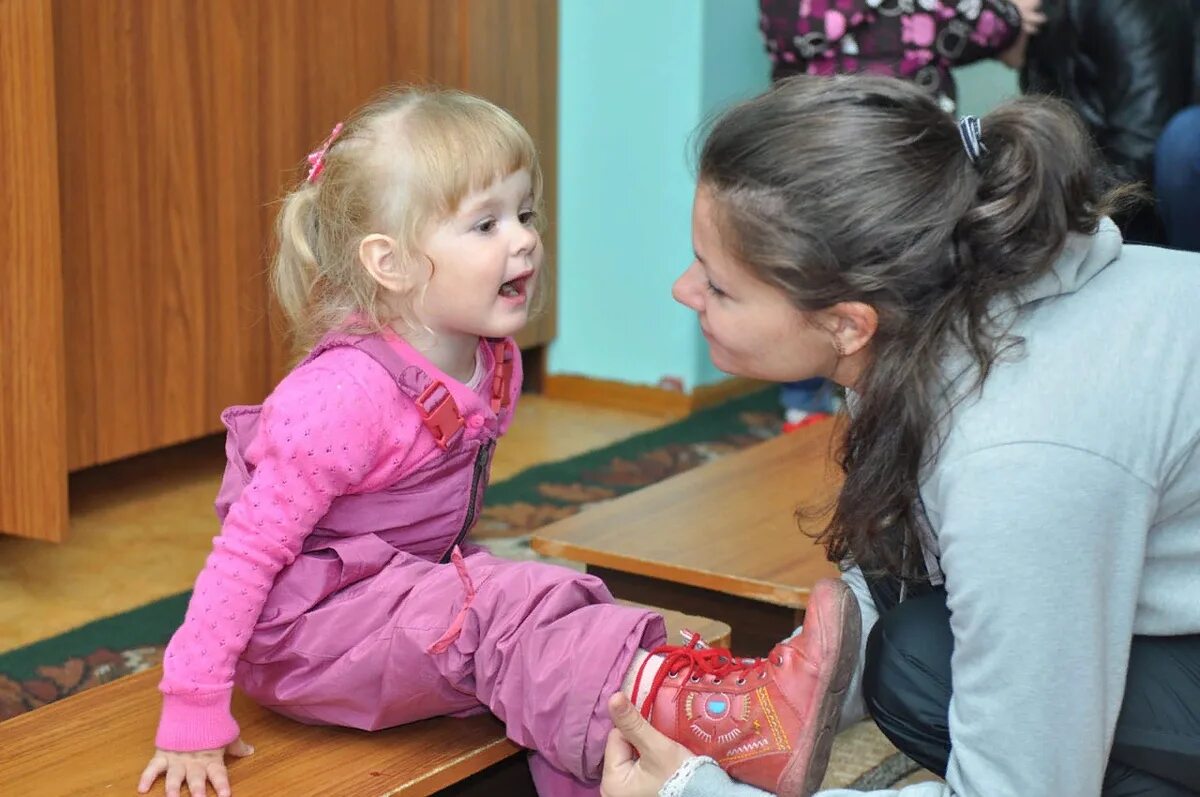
(388, 617)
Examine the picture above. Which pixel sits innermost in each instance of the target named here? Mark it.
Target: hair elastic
(316, 158)
(972, 138)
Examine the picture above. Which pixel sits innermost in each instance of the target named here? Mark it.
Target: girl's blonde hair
(399, 164)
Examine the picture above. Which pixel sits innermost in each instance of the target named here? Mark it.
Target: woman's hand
(197, 769)
(1032, 17)
(641, 772)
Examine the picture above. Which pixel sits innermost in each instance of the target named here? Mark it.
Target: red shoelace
(697, 662)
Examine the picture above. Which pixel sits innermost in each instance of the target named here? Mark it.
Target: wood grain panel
(512, 60)
(157, 121)
(180, 124)
(727, 526)
(320, 62)
(289, 758)
(33, 478)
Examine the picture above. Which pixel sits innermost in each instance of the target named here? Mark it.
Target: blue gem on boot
(717, 707)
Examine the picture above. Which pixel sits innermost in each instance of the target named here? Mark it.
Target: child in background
(807, 401)
(917, 40)
(342, 589)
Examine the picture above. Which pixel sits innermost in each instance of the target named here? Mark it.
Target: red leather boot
(768, 722)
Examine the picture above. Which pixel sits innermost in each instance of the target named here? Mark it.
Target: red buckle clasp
(444, 420)
(502, 379)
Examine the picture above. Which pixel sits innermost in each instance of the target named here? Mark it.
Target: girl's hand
(1032, 17)
(197, 769)
(641, 772)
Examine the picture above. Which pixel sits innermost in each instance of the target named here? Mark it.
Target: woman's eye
(714, 290)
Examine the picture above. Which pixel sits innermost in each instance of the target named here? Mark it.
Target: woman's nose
(686, 289)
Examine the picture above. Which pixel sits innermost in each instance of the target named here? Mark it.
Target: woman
(1024, 544)
(921, 43)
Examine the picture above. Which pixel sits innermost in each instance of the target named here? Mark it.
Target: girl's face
(485, 261)
(752, 328)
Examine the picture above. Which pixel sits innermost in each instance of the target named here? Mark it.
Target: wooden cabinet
(149, 142)
(33, 426)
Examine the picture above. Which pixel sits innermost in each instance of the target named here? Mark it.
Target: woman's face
(752, 328)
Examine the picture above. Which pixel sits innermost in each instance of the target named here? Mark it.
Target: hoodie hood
(1082, 258)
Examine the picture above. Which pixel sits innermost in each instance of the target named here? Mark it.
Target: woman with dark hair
(917, 41)
(1023, 541)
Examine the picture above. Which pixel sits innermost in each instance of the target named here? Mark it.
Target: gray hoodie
(1064, 509)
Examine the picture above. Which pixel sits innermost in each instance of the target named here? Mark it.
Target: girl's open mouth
(516, 288)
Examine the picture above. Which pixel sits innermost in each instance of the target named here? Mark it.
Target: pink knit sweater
(336, 426)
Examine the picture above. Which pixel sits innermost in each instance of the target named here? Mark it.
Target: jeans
(1177, 179)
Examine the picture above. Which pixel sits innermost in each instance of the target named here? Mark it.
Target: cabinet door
(179, 124)
(503, 50)
(33, 462)
(322, 60)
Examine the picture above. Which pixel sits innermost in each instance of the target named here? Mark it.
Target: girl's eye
(714, 290)
(527, 217)
(486, 226)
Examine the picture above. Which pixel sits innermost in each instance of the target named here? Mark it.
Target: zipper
(482, 460)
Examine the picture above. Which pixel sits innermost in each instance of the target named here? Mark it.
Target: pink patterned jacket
(919, 40)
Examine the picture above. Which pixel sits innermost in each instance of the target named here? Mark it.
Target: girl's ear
(380, 255)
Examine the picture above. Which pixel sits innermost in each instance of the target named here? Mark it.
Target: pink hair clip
(316, 158)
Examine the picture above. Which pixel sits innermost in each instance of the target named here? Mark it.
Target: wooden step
(719, 541)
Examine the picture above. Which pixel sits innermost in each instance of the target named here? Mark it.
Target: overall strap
(439, 412)
(503, 353)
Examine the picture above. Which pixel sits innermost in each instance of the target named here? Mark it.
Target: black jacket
(1196, 62)
(1125, 66)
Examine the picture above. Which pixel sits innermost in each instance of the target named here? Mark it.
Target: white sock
(652, 663)
(791, 415)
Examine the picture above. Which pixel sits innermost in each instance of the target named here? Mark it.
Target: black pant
(1156, 748)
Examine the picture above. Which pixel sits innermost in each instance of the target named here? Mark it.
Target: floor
(140, 529)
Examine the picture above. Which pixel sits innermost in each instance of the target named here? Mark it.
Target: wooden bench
(720, 540)
(98, 742)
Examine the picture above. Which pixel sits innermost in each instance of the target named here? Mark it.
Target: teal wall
(734, 63)
(636, 79)
(982, 85)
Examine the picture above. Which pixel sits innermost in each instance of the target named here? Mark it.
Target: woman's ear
(852, 325)
(380, 255)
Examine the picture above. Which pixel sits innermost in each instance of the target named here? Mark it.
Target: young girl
(342, 590)
(1023, 542)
